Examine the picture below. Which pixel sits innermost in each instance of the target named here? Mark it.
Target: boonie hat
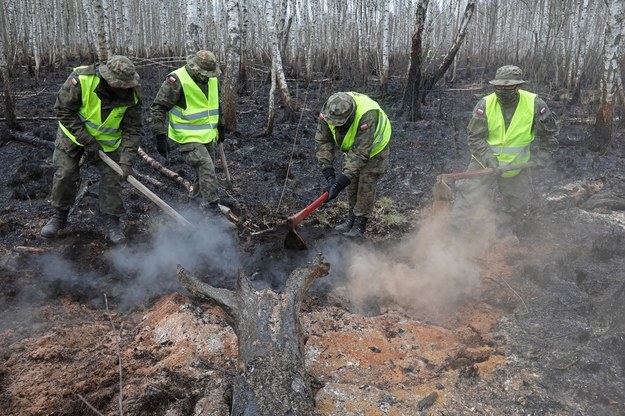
(508, 75)
(338, 109)
(119, 72)
(204, 63)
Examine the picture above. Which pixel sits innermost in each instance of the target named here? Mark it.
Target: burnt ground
(406, 323)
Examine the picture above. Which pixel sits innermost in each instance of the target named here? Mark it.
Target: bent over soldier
(98, 108)
(189, 101)
(356, 125)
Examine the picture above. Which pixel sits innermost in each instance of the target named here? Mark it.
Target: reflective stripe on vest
(198, 122)
(511, 146)
(382, 134)
(107, 133)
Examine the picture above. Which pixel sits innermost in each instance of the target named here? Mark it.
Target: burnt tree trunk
(271, 378)
(411, 104)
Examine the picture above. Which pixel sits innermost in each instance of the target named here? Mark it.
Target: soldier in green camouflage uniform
(188, 101)
(98, 108)
(356, 125)
(501, 130)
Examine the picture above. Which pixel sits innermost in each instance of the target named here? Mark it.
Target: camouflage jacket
(169, 95)
(545, 129)
(357, 156)
(69, 101)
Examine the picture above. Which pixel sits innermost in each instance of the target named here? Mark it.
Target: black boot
(358, 229)
(348, 224)
(114, 230)
(56, 223)
(211, 208)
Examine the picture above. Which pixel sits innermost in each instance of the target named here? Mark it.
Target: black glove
(328, 173)
(541, 160)
(339, 184)
(126, 170)
(91, 149)
(491, 162)
(161, 144)
(221, 133)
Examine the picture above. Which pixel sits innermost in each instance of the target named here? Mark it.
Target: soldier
(502, 129)
(98, 108)
(189, 100)
(355, 124)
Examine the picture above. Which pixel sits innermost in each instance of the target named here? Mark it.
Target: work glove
(491, 162)
(91, 150)
(126, 170)
(161, 145)
(339, 184)
(328, 173)
(541, 160)
(221, 133)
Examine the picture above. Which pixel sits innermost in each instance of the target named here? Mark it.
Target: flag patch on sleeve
(74, 81)
(479, 112)
(171, 79)
(543, 111)
(364, 127)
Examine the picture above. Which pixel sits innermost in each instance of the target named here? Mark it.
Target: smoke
(210, 249)
(431, 271)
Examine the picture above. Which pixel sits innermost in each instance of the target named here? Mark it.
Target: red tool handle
(293, 220)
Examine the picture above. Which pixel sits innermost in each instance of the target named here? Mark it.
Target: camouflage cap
(338, 109)
(204, 63)
(119, 72)
(508, 75)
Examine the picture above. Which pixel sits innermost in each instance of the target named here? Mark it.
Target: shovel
(293, 240)
(145, 191)
(443, 194)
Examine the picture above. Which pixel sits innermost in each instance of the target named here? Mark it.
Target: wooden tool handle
(145, 191)
(484, 172)
(297, 218)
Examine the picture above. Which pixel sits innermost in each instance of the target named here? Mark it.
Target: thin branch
(89, 405)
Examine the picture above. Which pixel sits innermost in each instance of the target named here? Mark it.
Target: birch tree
(410, 104)
(9, 103)
(384, 67)
(194, 27)
(611, 76)
(233, 62)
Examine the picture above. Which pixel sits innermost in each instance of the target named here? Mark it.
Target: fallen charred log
(272, 378)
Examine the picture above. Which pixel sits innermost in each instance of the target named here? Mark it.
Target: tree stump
(271, 376)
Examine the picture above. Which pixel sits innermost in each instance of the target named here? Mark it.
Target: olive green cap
(508, 75)
(119, 72)
(338, 109)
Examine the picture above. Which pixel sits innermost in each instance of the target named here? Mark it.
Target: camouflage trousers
(200, 157)
(361, 191)
(66, 158)
(473, 201)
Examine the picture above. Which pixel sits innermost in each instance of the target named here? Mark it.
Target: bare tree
(233, 62)
(411, 101)
(610, 79)
(9, 104)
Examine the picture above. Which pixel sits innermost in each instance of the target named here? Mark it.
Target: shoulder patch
(321, 116)
(364, 127)
(479, 112)
(543, 111)
(171, 79)
(74, 81)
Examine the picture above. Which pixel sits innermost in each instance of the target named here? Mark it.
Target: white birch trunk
(276, 61)
(194, 27)
(384, 75)
(233, 62)
(610, 79)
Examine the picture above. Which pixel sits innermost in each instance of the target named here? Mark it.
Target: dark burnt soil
(543, 334)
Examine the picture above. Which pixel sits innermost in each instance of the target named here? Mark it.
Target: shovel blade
(293, 241)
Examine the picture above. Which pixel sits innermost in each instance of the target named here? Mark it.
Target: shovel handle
(293, 220)
(145, 191)
(483, 172)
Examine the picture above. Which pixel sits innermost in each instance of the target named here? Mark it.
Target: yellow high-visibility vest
(382, 134)
(511, 146)
(198, 122)
(106, 132)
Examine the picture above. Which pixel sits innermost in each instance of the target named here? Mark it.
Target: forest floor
(406, 323)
